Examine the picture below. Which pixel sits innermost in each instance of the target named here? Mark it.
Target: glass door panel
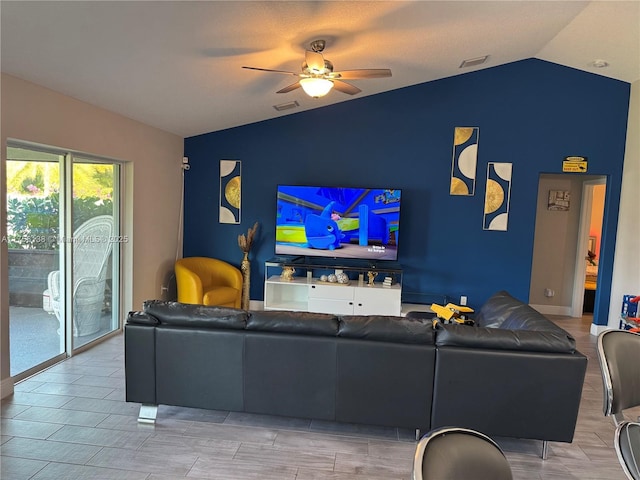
(95, 250)
(33, 230)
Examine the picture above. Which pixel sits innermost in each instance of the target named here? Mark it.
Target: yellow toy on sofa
(451, 313)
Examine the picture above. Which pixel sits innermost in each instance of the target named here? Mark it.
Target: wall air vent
(286, 106)
(472, 62)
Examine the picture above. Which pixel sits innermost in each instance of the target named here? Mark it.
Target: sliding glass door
(33, 221)
(64, 253)
(95, 249)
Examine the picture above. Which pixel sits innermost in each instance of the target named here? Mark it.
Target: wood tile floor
(71, 423)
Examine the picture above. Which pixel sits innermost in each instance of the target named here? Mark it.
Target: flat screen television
(338, 222)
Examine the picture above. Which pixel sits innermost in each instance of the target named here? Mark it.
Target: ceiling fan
(317, 77)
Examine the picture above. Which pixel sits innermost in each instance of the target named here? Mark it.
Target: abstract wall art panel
(464, 161)
(497, 195)
(230, 192)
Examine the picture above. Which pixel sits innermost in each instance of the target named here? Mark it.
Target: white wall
(153, 183)
(626, 265)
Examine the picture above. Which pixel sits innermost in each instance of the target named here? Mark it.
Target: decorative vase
(245, 267)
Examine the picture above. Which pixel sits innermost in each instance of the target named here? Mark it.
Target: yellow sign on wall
(574, 165)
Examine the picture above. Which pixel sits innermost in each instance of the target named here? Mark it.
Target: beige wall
(626, 265)
(554, 246)
(153, 183)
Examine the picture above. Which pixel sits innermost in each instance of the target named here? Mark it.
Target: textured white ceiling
(176, 65)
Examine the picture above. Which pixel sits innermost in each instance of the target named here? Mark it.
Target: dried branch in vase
(246, 241)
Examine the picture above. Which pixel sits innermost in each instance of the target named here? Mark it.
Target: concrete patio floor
(34, 338)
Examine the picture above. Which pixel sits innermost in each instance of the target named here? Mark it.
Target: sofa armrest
(140, 363)
(534, 395)
(189, 285)
(503, 339)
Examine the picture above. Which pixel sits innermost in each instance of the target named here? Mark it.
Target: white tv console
(307, 293)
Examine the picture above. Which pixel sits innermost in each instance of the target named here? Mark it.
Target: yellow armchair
(208, 281)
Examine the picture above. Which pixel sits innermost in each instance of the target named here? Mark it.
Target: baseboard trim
(6, 387)
(598, 329)
(552, 310)
(256, 305)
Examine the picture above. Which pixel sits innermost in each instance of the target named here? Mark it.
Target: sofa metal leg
(545, 450)
(418, 432)
(148, 413)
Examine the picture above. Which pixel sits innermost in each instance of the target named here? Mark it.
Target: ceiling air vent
(286, 106)
(472, 62)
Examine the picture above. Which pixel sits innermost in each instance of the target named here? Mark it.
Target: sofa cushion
(497, 309)
(141, 318)
(386, 328)
(220, 296)
(453, 335)
(183, 314)
(293, 322)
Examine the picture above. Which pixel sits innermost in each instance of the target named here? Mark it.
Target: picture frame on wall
(230, 191)
(497, 196)
(464, 161)
(559, 200)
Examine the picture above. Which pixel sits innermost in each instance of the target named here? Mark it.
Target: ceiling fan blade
(345, 87)
(363, 73)
(314, 61)
(289, 88)
(272, 71)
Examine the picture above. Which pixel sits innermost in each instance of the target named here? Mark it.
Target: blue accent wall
(530, 113)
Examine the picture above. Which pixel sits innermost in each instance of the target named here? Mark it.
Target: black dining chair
(459, 453)
(627, 443)
(619, 359)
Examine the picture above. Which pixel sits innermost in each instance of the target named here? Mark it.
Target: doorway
(64, 253)
(589, 239)
(561, 237)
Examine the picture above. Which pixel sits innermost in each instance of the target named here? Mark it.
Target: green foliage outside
(34, 222)
(33, 200)
(43, 178)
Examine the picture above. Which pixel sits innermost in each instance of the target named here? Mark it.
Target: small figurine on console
(287, 273)
(372, 276)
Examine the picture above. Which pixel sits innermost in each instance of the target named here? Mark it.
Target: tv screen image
(338, 222)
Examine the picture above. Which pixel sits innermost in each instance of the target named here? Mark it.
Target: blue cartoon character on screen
(322, 230)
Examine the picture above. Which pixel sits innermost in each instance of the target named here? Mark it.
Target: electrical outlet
(549, 293)
(463, 300)
(163, 289)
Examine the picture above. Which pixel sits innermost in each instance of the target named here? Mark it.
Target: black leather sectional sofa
(514, 374)
(357, 369)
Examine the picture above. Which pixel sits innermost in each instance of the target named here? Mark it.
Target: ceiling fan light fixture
(316, 87)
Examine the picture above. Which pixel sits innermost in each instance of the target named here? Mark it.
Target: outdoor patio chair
(91, 249)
